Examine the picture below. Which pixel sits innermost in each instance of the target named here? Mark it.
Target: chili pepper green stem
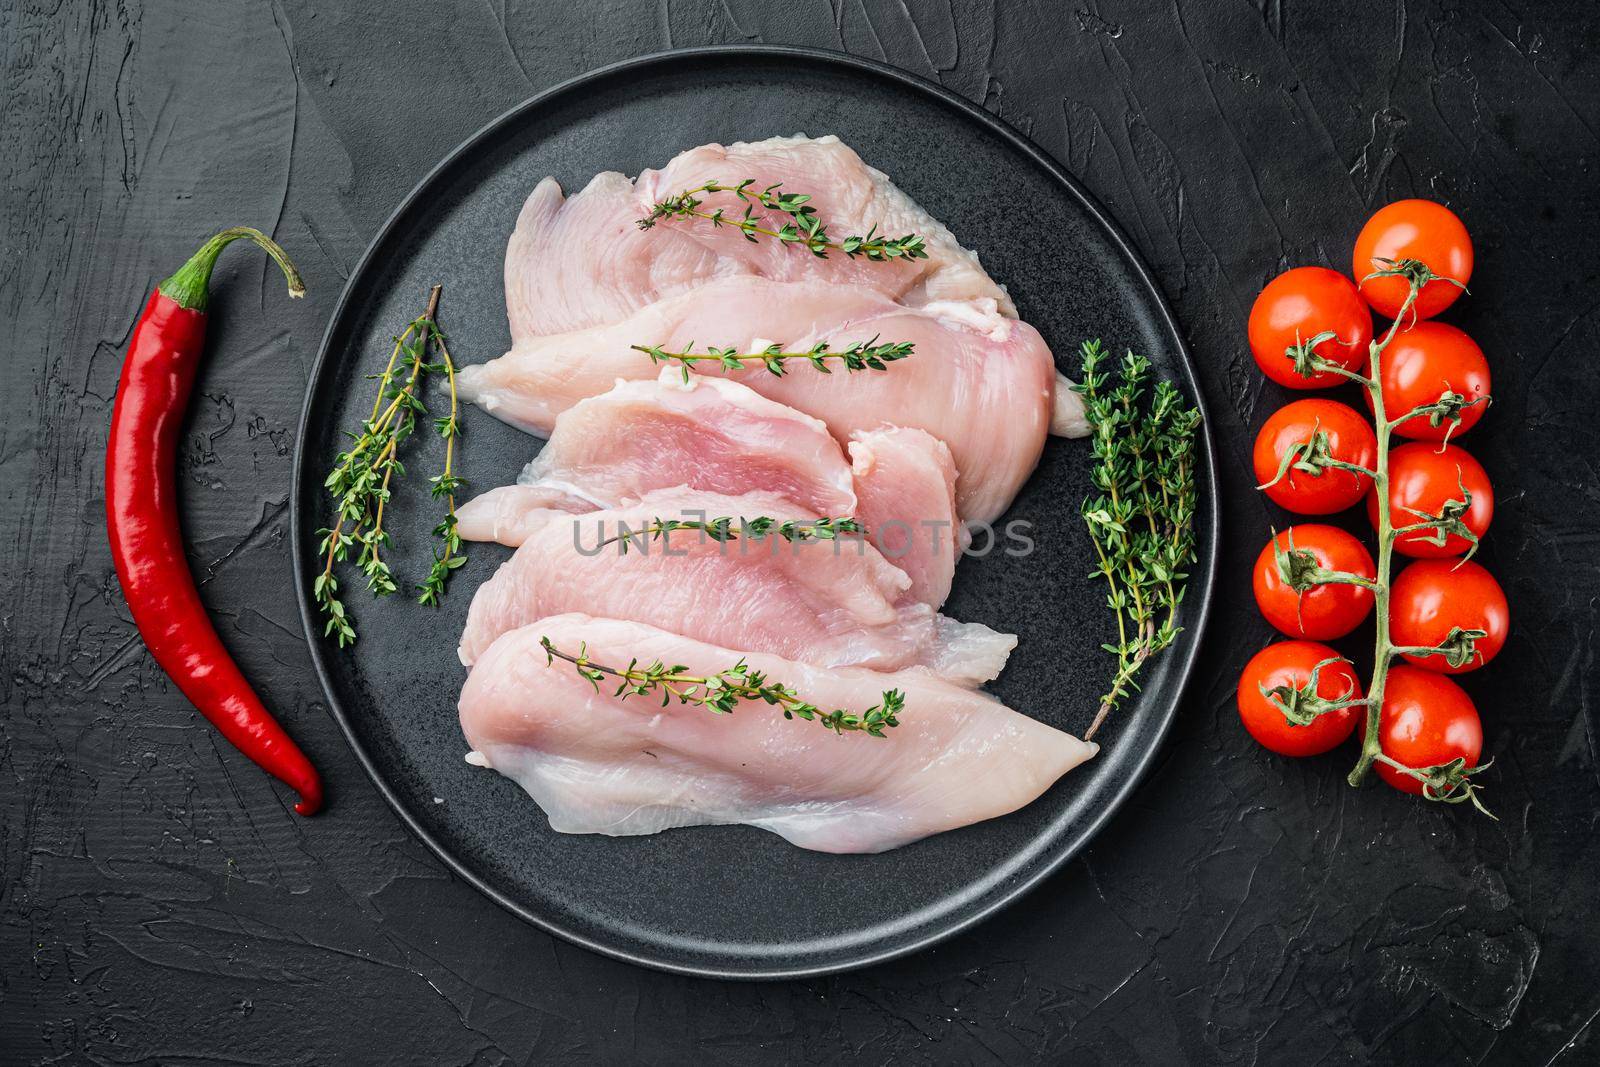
(190, 285)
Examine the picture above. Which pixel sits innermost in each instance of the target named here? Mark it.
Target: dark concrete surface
(158, 903)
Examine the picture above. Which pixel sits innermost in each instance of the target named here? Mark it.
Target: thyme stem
(431, 591)
(363, 478)
(1142, 523)
(728, 528)
(805, 228)
(863, 355)
(723, 692)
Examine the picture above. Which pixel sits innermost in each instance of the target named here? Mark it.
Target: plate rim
(1020, 142)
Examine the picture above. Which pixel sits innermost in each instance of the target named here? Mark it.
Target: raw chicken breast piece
(905, 487)
(825, 602)
(601, 764)
(583, 261)
(708, 433)
(508, 513)
(982, 383)
(716, 435)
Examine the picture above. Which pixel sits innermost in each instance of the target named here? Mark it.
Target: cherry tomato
(1290, 663)
(1423, 478)
(1426, 720)
(1349, 438)
(1422, 363)
(1434, 595)
(1298, 305)
(1412, 229)
(1322, 612)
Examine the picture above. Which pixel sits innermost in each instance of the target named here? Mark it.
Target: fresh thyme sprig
(724, 691)
(1142, 521)
(728, 528)
(863, 355)
(362, 477)
(805, 230)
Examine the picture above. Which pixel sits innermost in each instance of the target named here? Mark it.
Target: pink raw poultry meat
(597, 763)
(707, 433)
(982, 383)
(583, 261)
(905, 489)
(829, 603)
(719, 436)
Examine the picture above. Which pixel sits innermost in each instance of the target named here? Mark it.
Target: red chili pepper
(142, 516)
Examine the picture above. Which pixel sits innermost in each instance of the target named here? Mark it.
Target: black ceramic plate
(736, 901)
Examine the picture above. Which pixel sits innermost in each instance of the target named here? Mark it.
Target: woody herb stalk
(721, 693)
(363, 478)
(1142, 521)
(727, 528)
(804, 230)
(863, 355)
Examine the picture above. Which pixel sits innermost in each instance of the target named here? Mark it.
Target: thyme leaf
(723, 692)
(863, 355)
(727, 528)
(362, 480)
(804, 228)
(1141, 519)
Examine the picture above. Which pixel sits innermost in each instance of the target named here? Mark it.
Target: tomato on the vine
(1421, 364)
(1296, 307)
(1419, 230)
(1328, 428)
(1424, 478)
(1290, 663)
(1323, 612)
(1427, 720)
(1433, 596)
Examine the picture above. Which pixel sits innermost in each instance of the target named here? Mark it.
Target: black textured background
(158, 903)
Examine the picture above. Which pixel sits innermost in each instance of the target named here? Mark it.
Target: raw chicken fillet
(982, 383)
(718, 436)
(825, 602)
(905, 491)
(707, 433)
(602, 312)
(601, 764)
(582, 261)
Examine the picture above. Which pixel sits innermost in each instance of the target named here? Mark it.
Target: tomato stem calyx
(1301, 571)
(1445, 783)
(1313, 457)
(1317, 365)
(1414, 271)
(1458, 648)
(1449, 522)
(1304, 355)
(1447, 408)
(1301, 704)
